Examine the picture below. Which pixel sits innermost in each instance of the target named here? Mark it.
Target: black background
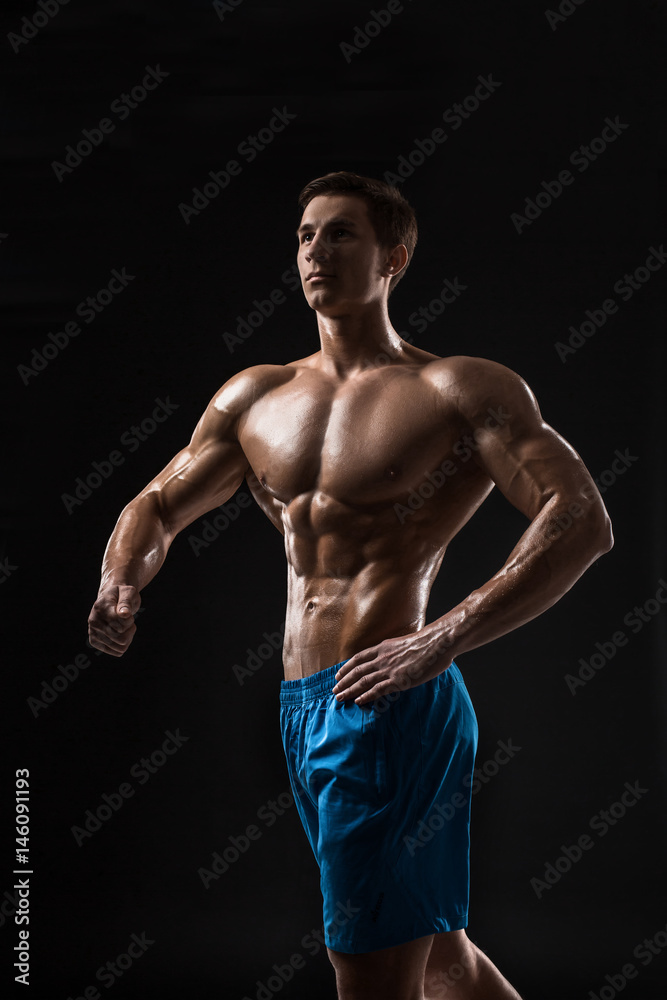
(161, 337)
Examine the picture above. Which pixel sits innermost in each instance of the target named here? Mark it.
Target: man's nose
(318, 249)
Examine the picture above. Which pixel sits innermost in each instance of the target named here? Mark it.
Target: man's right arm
(202, 476)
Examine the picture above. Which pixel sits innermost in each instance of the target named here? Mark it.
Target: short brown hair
(391, 216)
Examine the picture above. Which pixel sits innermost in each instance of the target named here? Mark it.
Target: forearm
(544, 565)
(138, 544)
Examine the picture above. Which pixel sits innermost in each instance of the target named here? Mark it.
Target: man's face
(337, 240)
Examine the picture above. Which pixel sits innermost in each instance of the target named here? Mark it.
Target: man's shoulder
(469, 375)
(475, 384)
(246, 386)
(466, 369)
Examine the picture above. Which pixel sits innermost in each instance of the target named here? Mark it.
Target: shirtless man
(369, 456)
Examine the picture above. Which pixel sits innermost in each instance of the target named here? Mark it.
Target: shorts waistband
(319, 685)
(309, 688)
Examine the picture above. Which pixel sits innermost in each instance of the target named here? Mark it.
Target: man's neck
(358, 341)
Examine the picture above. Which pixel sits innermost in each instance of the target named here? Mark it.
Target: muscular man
(369, 456)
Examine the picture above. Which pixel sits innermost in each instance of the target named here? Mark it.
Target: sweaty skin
(369, 456)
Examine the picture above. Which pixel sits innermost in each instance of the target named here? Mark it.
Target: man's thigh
(449, 948)
(387, 974)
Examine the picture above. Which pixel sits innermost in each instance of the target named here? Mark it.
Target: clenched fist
(111, 625)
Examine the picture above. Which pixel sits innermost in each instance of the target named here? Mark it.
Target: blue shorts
(384, 794)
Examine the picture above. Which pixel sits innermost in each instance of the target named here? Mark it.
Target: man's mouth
(318, 276)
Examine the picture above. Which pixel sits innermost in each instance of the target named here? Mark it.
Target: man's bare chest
(363, 446)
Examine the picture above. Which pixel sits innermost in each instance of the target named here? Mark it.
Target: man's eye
(336, 234)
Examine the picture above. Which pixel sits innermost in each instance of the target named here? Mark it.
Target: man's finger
(359, 659)
(367, 697)
(102, 634)
(129, 601)
(122, 620)
(99, 641)
(108, 620)
(352, 687)
(347, 678)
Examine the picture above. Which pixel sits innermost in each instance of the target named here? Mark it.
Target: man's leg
(388, 974)
(458, 970)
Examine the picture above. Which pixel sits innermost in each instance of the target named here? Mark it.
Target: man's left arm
(544, 478)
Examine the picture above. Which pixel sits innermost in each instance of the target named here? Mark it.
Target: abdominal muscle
(353, 587)
(360, 562)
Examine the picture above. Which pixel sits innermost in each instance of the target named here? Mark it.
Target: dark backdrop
(81, 723)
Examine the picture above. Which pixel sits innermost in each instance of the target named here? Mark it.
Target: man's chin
(336, 309)
(323, 299)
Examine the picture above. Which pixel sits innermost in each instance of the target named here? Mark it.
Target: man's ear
(396, 261)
